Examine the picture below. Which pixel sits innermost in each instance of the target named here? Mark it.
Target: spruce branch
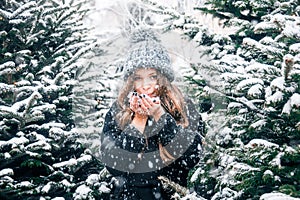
(287, 66)
(103, 174)
(79, 54)
(31, 100)
(4, 14)
(7, 112)
(168, 184)
(23, 8)
(58, 78)
(6, 65)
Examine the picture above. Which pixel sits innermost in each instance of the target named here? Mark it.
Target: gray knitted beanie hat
(147, 52)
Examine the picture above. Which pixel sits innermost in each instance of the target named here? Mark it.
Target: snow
(227, 194)
(54, 125)
(263, 26)
(24, 184)
(291, 30)
(295, 100)
(179, 22)
(47, 187)
(255, 90)
(82, 192)
(84, 158)
(6, 65)
(56, 132)
(92, 179)
(226, 160)
(192, 196)
(150, 164)
(259, 124)
(15, 142)
(229, 77)
(248, 82)
(198, 36)
(233, 105)
(295, 48)
(66, 183)
(260, 142)
(5, 88)
(287, 108)
(6, 172)
(268, 172)
(195, 175)
(39, 145)
(73, 162)
(262, 68)
(22, 83)
(58, 198)
(276, 196)
(276, 97)
(103, 188)
(6, 155)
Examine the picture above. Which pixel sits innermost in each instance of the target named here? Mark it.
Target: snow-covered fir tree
(42, 45)
(256, 152)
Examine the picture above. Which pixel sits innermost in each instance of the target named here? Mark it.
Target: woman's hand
(153, 106)
(144, 105)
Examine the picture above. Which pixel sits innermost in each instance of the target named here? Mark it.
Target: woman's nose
(146, 84)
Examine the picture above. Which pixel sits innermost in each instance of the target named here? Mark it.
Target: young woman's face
(145, 81)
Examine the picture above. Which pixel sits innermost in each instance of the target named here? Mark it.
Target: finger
(147, 101)
(134, 103)
(156, 100)
(144, 108)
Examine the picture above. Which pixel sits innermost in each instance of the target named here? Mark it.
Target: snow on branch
(233, 61)
(6, 172)
(265, 27)
(54, 10)
(73, 162)
(168, 184)
(29, 102)
(262, 68)
(8, 112)
(248, 82)
(6, 88)
(276, 196)
(262, 143)
(295, 48)
(295, 100)
(79, 54)
(7, 67)
(34, 37)
(255, 46)
(248, 104)
(5, 14)
(23, 8)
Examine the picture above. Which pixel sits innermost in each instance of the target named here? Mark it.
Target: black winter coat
(134, 161)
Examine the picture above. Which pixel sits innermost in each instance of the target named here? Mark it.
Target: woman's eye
(153, 77)
(137, 78)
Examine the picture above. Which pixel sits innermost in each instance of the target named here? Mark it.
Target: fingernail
(154, 100)
(140, 96)
(144, 95)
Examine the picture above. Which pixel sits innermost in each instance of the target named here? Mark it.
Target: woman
(151, 130)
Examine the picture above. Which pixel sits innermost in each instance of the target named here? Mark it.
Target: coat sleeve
(185, 144)
(121, 150)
